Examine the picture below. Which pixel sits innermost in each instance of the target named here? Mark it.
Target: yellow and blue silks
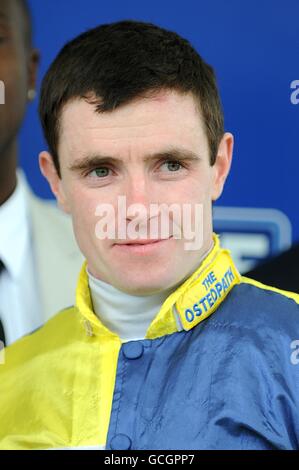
(214, 372)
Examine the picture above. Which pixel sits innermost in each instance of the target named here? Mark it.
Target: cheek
(15, 96)
(196, 190)
(83, 209)
(13, 72)
(83, 206)
(198, 194)
(82, 202)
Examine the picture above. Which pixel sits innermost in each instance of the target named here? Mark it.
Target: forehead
(11, 15)
(7, 10)
(166, 116)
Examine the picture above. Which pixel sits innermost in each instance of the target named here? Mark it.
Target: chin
(135, 287)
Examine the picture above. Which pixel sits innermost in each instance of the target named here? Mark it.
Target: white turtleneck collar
(127, 315)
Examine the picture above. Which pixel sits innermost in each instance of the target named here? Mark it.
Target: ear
(32, 65)
(49, 171)
(222, 164)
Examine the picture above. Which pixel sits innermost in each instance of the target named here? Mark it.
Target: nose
(137, 191)
(141, 205)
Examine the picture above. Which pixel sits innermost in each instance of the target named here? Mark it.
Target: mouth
(142, 242)
(141, 246)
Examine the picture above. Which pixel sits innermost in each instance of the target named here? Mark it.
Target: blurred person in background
(281, 271)
(35, 236)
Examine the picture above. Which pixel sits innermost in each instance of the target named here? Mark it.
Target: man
(282, 271)
(168, 347)
(35, 236)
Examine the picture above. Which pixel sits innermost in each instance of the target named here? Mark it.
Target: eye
(100, 172)
(173, 165)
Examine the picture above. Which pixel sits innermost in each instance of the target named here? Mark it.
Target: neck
(8, 166)
(126, 315)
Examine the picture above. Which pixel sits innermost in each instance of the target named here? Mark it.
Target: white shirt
(19, 293)
(127, 315)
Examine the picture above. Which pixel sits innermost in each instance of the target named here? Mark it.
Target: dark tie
(2, 335)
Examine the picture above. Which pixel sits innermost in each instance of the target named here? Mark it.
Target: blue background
(253, 47)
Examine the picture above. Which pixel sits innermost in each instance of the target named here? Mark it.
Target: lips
(142, 242)
(142, 247)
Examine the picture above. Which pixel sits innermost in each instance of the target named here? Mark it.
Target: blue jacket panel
(228, 383)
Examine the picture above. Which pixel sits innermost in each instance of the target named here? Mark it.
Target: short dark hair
(119, 62)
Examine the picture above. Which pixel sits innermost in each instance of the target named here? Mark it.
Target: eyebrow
(91, 161)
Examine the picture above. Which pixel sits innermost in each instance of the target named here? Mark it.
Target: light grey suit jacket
(57, 257)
